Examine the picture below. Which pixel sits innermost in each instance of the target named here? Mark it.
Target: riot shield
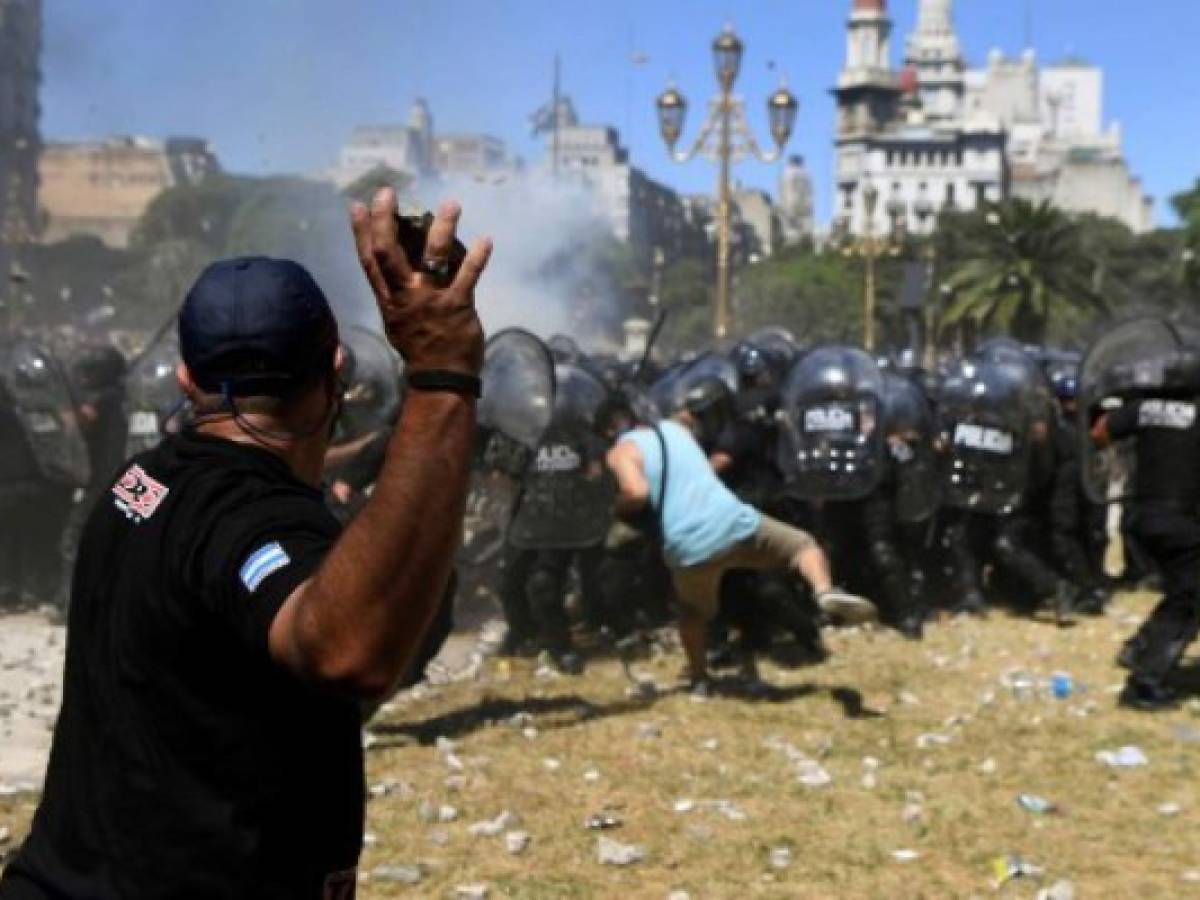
(518, 387)
(567, 494)
(45, 408)
(986, 417)
(908, 428)
(1145, 356)
(371, 375)
(831, 444)
(152, 395)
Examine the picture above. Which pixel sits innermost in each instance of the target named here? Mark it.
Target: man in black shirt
(1166, 519)
(222, 635)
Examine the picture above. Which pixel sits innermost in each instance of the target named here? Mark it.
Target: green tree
(818, 297)
(1029, 264)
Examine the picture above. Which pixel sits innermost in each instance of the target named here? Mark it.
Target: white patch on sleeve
(262, 563)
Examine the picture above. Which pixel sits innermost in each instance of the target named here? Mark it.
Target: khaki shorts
(773, 546)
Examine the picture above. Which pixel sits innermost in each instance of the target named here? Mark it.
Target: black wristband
(441, 380)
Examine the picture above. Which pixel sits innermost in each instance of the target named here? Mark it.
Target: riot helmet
(709, 401)
(832, 444)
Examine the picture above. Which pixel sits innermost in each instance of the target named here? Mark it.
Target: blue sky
(278, 84)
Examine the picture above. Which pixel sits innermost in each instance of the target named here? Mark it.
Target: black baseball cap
(256, 326)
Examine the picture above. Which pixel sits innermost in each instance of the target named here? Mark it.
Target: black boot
(1146, 695)
(972, 604)
(1064, 604)
(912, 624)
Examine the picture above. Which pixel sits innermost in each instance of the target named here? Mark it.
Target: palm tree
(1027, 262)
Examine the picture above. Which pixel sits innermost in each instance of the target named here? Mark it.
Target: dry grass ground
(587, 747)
(875, 698)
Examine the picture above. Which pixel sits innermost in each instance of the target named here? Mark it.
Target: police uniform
(1165, 519)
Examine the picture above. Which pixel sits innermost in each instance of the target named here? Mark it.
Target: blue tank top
(702, 518)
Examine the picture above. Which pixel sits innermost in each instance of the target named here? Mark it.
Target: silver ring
(438, 268)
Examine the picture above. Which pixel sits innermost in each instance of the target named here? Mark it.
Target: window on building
(950, 196)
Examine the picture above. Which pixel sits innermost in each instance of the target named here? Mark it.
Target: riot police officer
(838, 453)
(100, 392)
(1147, 370)
(561, 517)
(41, 404)
(996, 422)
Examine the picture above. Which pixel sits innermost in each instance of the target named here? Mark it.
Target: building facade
(20, 141)
(936, 134)
(102, 188)
(1059, 147)
(640, 211)
(795, 202)
(905, 136)
(417, 151)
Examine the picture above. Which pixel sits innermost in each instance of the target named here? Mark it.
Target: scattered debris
(1169, 809)
(591, 775)
(493, 827)
(988, 766)
(912, 812)
(1061, 890)
(781, 857)
(726, 808)
(905, 855)
(649, 730)
(400, 874)
(1006, 868)
(811, 774)
(1126, 758)
(471, 891)
(932, 739)
(550, 764)
(602, 821)
(1039, 806)
(614, 853)
(516, 842)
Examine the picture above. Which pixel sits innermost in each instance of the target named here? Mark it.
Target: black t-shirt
(1168, 448)
(185, 763)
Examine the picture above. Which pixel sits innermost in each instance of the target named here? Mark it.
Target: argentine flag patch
(263, 562)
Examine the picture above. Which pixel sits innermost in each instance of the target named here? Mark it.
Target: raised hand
(431, 323)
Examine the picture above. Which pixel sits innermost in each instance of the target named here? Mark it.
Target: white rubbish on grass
(550, 764)
(493, 827)
(471, 892)
(726, 808)
(932, 739)
(905, 855)
(1169, 809)
(399, 874)
(988, 766)
(781, 857)
(649, 730)
(614, 853)
(516, 842)
(1060, 890)
(1126, 758)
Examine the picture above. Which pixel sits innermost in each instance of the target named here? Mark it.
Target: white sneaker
(848, 608)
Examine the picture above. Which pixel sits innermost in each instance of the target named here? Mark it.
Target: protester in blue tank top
(665, 473)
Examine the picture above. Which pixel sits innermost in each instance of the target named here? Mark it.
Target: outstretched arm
(359, 622)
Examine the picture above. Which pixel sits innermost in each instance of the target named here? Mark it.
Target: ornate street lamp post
(725, 138)
(870, 247)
